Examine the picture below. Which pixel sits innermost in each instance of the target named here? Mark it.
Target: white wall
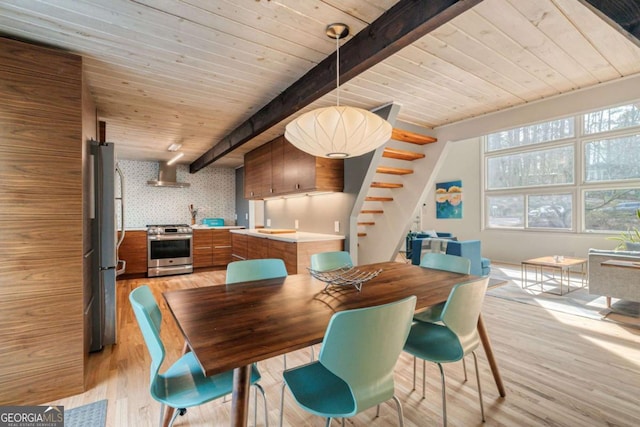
(211, 188)
(315, 214)
(462, 160)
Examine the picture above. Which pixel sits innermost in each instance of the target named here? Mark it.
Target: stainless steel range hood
(167, 177)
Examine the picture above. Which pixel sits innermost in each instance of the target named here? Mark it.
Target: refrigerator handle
(119, 261)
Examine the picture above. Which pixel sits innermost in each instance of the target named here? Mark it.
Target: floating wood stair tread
(362, 234)
(371, 211)
(394, 153)
(378, 199)
(411, 137)
(393, 171)
(367, 223)
(376, 184)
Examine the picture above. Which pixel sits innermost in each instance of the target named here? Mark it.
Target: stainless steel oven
(169, 249)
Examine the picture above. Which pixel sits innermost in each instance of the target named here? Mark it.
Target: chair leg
(284, 356)
(264, 398)
(378, 410)
(475, 361)
(414, 373)
(444, 396)
(161, 414)
(424, 376)
(175, 415)
(464, 368)
(282, 404)
(328, 422)
(400, 414)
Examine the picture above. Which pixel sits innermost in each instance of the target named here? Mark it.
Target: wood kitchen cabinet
(301, 174)
(221, 240)
(133, 250)
(211, 248)
(296, 255)
(239, 246)
(257, 247)
(202, 248)
(279, 168)
(257, 173)
(286, 251)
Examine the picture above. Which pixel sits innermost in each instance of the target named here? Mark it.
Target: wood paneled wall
(41, 250)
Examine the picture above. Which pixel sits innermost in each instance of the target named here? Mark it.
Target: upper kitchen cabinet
(289, 171)
(257, 170)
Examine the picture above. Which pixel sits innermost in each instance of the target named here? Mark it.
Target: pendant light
(338, 131)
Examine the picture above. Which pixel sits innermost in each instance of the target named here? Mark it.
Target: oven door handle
(169, 237)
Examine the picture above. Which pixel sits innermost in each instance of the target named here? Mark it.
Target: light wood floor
(558, 369)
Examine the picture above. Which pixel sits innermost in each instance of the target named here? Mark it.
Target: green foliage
(632, 235)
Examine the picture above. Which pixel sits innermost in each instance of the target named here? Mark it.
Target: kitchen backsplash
(212, 191)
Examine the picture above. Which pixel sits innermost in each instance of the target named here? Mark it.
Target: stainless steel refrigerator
(105, 243)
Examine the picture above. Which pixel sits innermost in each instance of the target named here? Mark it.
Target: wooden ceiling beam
(621, 14)
(404, 23)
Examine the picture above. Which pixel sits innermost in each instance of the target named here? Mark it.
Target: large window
(579, 174)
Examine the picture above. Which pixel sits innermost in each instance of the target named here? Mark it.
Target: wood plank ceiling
(191, 71)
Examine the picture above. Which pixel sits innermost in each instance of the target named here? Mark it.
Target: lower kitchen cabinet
(239, 247)
(221, 248)
(257, 247)
(133, 250)
(287, 251)
(211, 248)
(202, 248)
(296, 255)
(304, 250)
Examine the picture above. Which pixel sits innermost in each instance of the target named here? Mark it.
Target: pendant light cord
(338, 68)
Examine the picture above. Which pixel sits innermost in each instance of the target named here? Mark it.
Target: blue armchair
(416, 241)
(471, 249)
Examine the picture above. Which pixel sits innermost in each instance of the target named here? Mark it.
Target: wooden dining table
(231, 327)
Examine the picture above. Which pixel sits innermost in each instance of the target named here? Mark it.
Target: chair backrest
(439, 261)
(149, 320)
(255, 269)
(325, 261)
(362, 346)
(462, 309)
(470, 249)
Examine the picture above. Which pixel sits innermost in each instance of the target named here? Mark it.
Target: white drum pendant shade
(338, 131)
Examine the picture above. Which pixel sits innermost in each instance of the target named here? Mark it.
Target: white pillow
(430, 233)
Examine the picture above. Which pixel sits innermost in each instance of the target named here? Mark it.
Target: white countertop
(195, 227)
(299, 236)
(216, 227)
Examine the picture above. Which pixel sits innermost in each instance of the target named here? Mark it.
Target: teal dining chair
(183, 384)
(456, 337)
(255, 269)
(439, 261)
(325, 261)
(354, 370)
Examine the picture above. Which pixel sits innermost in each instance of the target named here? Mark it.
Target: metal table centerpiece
(347, 275)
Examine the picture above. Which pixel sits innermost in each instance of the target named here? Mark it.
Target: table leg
(240, 397)
(486, 344)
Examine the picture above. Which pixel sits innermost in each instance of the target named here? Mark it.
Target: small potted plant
(629, 240)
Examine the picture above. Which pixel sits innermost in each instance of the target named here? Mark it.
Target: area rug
(507, 285)
(90, 415)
